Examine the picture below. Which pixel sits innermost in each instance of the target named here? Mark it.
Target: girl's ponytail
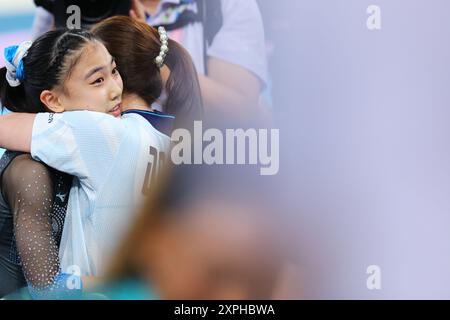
(182, 87)
(13, 98)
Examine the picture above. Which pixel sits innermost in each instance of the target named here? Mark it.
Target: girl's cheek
(120, 82)
(102, 93)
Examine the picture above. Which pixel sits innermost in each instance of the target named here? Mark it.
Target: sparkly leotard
(33, 203)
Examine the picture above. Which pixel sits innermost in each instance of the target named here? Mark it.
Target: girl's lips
(116, 111)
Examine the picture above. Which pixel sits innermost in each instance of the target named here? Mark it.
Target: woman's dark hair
(47, 65)
(135, 45)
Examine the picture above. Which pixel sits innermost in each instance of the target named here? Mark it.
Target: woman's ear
(165, 73)
(51, 101)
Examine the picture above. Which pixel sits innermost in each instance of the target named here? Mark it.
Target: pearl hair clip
(159, 60)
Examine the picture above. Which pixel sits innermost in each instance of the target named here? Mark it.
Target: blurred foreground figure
(205, 234)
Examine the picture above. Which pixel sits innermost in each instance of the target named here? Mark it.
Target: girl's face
(94, 84)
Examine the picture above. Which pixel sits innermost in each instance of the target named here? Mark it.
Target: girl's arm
(28, 187)
(81, 143)
(16, 131)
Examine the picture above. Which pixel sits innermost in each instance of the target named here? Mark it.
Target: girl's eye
(115, 71)
(98, 81)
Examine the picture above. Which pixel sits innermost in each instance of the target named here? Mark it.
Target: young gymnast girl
(28, 188)
(90, 146)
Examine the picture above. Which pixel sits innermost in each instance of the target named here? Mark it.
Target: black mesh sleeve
(28, 188)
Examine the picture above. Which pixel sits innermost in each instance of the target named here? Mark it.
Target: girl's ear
(51, 101)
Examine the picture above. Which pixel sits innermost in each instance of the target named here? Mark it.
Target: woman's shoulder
(7, 158)
(162, 123)
(19, 172)
(22, 163)
(22, 171)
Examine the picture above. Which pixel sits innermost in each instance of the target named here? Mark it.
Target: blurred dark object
(207, 232)
(92, 11)
(211, 17)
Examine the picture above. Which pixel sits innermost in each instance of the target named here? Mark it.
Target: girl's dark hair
(135, 45)
(47, 65)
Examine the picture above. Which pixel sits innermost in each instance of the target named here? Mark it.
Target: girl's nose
(116, 89)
